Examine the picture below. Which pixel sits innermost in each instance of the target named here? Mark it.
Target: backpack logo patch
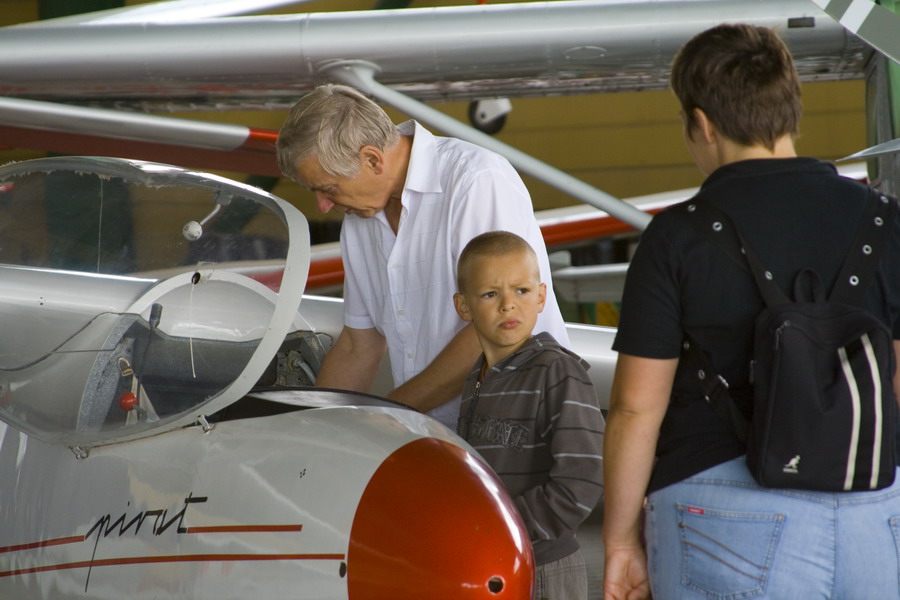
(792, 466)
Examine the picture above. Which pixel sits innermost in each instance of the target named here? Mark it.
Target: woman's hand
(625, 574)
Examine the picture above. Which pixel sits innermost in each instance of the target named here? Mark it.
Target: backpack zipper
(779, 332)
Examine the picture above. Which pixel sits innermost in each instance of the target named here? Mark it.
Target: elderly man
(411, 202)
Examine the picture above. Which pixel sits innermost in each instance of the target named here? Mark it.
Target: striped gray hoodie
(536, 420)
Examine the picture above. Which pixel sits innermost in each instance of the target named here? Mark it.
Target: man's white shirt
(403, 284)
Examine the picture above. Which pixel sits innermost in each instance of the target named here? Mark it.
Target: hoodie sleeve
(573, 428)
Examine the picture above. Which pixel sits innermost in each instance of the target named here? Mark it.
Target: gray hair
(333, 122)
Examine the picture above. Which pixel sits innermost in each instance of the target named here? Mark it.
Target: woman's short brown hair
(743, 78)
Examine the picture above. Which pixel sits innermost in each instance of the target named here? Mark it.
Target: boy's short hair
(491, 243)
(743, 78)
(333, 122)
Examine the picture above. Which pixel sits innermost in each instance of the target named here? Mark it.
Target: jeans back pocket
(727, 554)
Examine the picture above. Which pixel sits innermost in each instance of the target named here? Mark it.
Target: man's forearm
(352, 363)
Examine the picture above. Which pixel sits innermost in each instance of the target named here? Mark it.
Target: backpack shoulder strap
(714, 388)
(714, 224)
(866, 250)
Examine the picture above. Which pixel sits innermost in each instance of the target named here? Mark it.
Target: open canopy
(138, 297)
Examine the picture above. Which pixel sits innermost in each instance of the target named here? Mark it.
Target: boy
(529, 408)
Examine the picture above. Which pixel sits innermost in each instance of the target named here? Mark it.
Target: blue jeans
(719, 535)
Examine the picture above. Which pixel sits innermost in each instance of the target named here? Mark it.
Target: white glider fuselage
(159, 434)
(289, 505)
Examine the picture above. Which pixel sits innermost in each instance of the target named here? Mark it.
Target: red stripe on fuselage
(57, 542)
(245, 528)
(214, 529)
(143, 560)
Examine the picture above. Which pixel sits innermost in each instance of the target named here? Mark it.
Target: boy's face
(502, 298)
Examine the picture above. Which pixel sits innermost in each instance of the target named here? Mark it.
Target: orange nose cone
(435, 522)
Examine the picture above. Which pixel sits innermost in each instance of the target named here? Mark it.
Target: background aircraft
(472, 52)
(56, 74)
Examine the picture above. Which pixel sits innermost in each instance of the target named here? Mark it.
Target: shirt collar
(422, 175)
(769, 166)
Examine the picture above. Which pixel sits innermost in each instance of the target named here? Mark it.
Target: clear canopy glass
(136, 296)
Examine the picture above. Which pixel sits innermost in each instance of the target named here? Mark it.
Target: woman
(710, 531)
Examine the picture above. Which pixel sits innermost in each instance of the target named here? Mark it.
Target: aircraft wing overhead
(54, 80)
(167, 11)
(462, 52)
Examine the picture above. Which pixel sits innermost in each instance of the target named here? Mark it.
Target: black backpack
(823, 408)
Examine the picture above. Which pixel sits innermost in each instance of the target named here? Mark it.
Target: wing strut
(361, 75)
